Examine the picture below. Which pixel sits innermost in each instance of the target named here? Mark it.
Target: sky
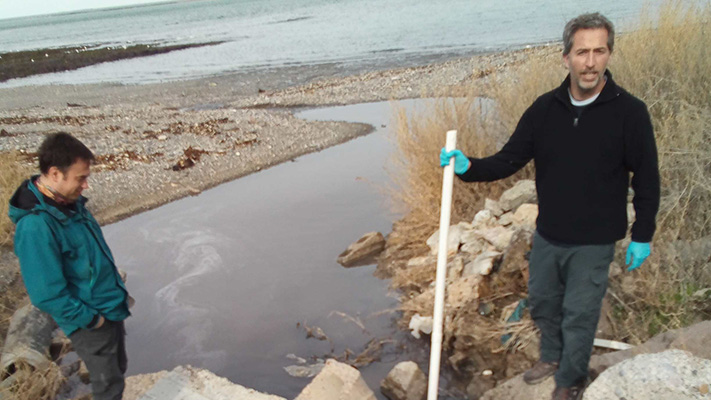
(24, 8)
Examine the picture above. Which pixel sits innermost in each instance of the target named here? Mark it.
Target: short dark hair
(61, 150)
(587, 21)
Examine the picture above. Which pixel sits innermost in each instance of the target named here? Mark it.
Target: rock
(498, 236)
(455, 269)
(516, 388)
(672, 374)
(473, 243)
(454, 239)
(420, 324)
(368, 246)
(693, 339)
(516, 253)
(417, 262)
(337, 381)
(405, 382)
(305, 371)
(484, 219)
(28, 339)
(483, 264)
(466, 289)
(506, 219)
(493, 207)
(479, 385)
(198, 384)
(524, 191)
(525, 216)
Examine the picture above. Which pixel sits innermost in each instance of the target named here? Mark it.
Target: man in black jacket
(585, 137)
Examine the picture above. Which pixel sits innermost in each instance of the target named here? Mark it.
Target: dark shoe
(539, 372)
(569, 393)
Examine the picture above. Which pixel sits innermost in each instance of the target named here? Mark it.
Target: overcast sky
(23, 8)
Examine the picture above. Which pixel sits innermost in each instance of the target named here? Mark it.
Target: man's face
(73, 182)
(587, 62)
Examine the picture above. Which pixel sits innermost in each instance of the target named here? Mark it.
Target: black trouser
(104, 353)
(566, 287)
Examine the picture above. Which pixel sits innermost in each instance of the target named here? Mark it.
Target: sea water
(360, 34)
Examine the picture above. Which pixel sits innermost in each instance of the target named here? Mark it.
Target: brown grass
(30, 384)
(14, 171)
(666, 63)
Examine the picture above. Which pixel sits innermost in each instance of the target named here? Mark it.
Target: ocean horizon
(266, 34)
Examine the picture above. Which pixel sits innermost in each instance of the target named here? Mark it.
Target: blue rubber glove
(637, 253)
(461, 162)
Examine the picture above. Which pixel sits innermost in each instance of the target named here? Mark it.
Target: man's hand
(100, 323)
(637, 253)
(461, 162)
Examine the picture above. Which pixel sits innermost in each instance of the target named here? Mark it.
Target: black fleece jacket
(583, 165)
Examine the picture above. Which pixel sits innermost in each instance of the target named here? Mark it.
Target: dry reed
(665, 62)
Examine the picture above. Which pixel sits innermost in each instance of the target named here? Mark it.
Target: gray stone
(524, 191)
(525, 216)
(494, 207)
(454, 239)
(515, 389)
(499, 236)
(484, 219)
(405, 382)
(483, 264)
(693, 339)
(186, 383)
(672, 374)
(337, 381)
(363, 250)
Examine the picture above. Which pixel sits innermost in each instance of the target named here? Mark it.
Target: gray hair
(587, 21)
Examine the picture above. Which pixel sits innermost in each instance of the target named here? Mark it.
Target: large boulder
(672, 374)
(199, 384)
(405, 382)
(337, 381)
(695, 339)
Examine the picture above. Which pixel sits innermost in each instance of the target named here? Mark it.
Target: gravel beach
(157, 143)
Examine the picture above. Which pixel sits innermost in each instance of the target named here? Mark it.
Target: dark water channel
(222, 279)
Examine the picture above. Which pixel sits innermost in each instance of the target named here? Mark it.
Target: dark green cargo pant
(104, 353)
(566, 287)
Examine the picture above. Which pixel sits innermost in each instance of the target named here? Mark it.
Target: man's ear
(566, 61)
(54, 174)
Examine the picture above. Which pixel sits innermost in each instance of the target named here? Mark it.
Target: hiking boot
(540, 371)
(569, 393)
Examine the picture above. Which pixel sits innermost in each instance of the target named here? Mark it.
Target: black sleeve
(641, 160)
(515, 154)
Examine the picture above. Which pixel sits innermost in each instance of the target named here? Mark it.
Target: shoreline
(242, 122)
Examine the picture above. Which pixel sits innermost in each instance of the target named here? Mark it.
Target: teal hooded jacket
(66, 265)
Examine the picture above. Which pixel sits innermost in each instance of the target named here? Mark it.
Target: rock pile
(487, 275)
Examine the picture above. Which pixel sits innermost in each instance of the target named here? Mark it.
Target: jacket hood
(27, 199)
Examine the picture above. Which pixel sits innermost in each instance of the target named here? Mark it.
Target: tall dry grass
(666, 63)
(13, 170)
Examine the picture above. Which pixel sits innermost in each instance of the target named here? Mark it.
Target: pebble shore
(157, 143)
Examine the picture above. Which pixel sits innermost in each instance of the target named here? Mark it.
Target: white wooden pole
(437, 319)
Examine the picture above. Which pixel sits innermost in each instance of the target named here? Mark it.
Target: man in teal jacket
(67, 266)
